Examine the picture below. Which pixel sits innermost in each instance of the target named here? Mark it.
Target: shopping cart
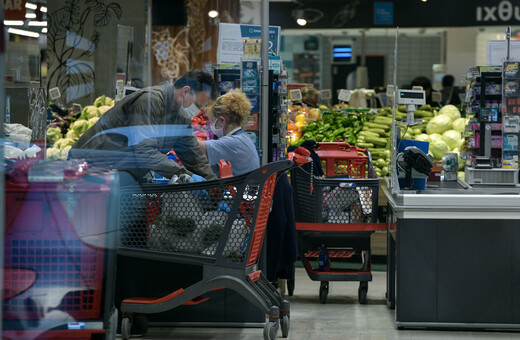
(59, 257)
(218, 225)
(338, 212)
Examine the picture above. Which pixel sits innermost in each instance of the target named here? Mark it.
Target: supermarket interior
(260, 169)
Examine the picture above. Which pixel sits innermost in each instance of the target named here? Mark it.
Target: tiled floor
(341, 318)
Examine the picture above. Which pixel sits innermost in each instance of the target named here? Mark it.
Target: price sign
(54, 93)
(418, 88)
(296, 94)
(344, 95)
(76, 107)
(326, 94)
(436, 97)
(390, 91)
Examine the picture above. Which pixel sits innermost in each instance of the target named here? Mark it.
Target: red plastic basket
(54, 248)
(339, 158)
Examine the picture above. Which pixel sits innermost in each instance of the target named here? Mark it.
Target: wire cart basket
(218, 225)
(339, 212)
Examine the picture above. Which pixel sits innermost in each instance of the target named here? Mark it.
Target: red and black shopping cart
(59, 256)
(339, 212)
(218, 225)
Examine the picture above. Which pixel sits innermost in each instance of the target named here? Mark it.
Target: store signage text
(14, 9)
(505, 11)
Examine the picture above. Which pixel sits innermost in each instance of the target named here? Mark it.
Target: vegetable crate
(340, 212)
(218, 225)
(59, 257)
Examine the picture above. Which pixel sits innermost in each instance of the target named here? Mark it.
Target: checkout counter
(453, 249)
(454, 256)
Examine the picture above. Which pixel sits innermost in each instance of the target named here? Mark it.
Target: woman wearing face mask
(227, 116)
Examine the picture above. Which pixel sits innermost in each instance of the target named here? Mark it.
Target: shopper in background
(450, 94)
(426, 85)
(227, 117)
(310, 96)
(137, 133)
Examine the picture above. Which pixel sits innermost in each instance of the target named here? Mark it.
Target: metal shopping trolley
(218, 225)
(59, 255)
(338, 212)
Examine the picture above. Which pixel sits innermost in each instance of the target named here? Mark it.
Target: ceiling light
(30, 6)
(13, 22)
(44, 30)
(301, 22)
(30, 15)
(424, 0)
(37, 23)
(43, 9)
(213, 14)
(23, 32)
(304, 16)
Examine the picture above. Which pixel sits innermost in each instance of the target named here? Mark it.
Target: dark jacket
(136, 134)
(282, 249)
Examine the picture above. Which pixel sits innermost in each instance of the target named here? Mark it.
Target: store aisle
(341, 318)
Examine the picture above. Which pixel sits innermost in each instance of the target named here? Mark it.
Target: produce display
(443, 129)
(67, 126)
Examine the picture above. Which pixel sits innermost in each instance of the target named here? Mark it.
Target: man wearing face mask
(139, 130)
(227, 116)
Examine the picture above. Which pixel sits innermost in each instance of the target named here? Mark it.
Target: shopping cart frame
(313, 231)
(241, 276)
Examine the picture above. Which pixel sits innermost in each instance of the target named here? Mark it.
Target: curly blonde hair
(234, 106)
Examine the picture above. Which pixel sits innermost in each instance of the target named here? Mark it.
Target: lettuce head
(450, 110)
(439, 124)
(452, 138)
(438, 148)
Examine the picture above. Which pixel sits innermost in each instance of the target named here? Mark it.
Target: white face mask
(189, 111)
(217, 132)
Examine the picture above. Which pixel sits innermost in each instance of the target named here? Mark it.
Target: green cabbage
(435, 136)
(452, 138)
(459, 124)
(100, 101)
(72, 134)
(89, 111)
(103, 109)
(422, 137)
(80, 126)
(65, 152)
(438, 148)
(53, 134)
(439, 124)
(461, 175)
(450, 110)
(92, 121)
(53, 153)
(63, 142)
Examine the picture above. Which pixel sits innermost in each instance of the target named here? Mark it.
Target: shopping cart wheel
(362, 292)
(270, 330)
(285, 323)
(290, 287)
(126, 325)
(139, 325)
(324, 291)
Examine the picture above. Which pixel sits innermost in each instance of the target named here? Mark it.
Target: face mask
(189, 111)
(217, 132)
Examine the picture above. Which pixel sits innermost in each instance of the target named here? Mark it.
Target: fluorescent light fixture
(301, 22)
(23, 32)
(30, 15)
(37, 23)
(43, 9)
(30, 5)
(213, 14)
(44, 30)
(13, 22)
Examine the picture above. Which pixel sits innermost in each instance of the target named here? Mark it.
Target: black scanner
(414, 158)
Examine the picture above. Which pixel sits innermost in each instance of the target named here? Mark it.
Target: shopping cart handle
(300, 156)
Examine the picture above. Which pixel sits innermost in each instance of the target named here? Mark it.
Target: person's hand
(197, 178)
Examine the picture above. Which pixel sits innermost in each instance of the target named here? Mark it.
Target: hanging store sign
(14, 9)
(379, 13)
(237, 41)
